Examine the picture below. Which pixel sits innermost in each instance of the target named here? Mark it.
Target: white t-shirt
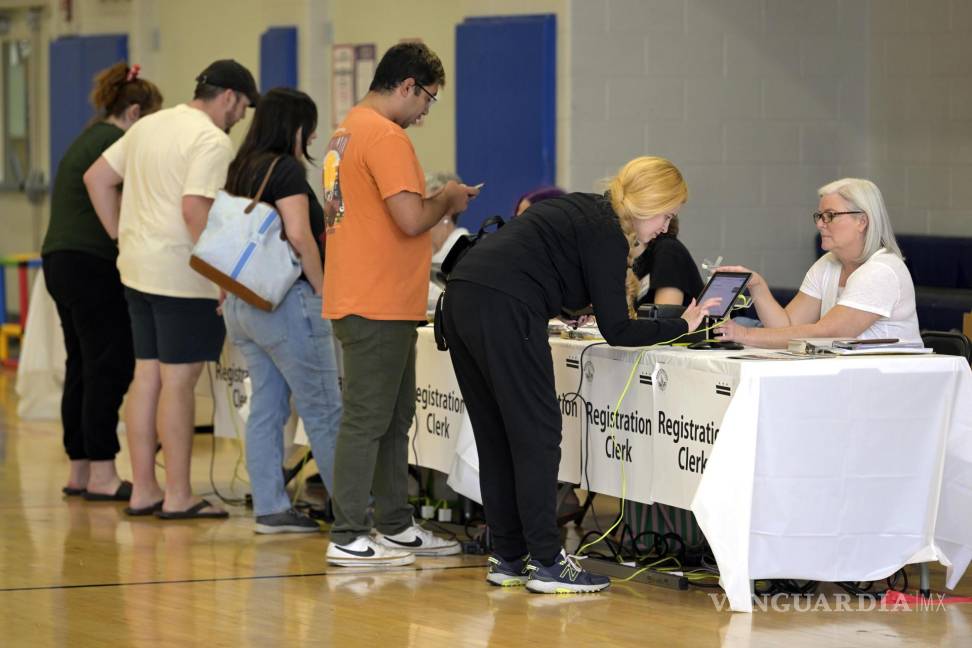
(881, 286)
(164, 156)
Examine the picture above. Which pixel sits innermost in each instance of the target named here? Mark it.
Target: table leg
(924, 586)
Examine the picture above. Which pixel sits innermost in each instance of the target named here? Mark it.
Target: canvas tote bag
(244, 251)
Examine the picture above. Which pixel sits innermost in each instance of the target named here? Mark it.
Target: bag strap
(489, 222)
(263, 185)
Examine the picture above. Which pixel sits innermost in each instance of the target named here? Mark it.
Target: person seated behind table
(444, 234)
(562, 253)
(535, 196)
(666, 270)
(859, 289)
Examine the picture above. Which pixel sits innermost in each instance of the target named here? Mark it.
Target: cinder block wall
(760, 102)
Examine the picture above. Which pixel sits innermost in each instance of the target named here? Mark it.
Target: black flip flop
(122, 494)
(70, 490)
(191, 513)
(145, 510)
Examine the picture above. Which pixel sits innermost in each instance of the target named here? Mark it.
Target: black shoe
(507, 573)
(565, 576)
(289, 521)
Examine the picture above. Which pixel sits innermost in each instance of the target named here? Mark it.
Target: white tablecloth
(40, 367)
(840, 469)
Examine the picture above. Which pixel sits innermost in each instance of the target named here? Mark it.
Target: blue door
(505, 109)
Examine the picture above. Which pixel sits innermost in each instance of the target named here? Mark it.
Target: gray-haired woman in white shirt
(860, 288)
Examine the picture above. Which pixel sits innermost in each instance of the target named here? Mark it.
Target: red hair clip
(133, 72)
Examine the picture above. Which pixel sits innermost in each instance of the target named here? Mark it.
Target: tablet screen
(727, 286)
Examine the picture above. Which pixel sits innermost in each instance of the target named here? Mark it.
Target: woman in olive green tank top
(80, 274)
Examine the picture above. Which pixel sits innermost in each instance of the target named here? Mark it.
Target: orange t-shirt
(372, 268)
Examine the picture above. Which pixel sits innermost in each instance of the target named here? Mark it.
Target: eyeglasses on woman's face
(827, 216)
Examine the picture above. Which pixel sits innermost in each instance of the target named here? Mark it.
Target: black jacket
(566, 253)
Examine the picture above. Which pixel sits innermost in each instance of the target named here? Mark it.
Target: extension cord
(693, 557)
(474, 548)
(652, 576)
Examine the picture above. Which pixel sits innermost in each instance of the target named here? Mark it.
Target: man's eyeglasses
(827, 216)
(431, 96)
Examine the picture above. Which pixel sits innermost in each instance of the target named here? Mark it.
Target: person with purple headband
(535, 196)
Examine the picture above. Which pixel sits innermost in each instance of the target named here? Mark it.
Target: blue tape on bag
(248, 251)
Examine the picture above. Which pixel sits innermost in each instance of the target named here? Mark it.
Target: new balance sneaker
(565, 576)
(290, 521)
(365, 552)
(507, 573)
(420, 542)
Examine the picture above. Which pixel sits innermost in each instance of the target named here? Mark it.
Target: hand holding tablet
(725, 286)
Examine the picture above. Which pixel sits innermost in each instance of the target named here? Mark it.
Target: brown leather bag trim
(228, 284)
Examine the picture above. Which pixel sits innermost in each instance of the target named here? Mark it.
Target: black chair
(948, 343)
(944, 343)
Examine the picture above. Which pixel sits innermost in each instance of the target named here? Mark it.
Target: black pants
(502, 359)
(100, 361)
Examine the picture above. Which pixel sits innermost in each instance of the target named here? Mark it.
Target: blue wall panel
(506, 114)
(74, 61)
(278, 58)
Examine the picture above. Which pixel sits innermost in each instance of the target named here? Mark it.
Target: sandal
(145, 510)
(191, 513)
(122, 494)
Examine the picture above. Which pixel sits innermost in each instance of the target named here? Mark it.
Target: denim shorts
(174, 330)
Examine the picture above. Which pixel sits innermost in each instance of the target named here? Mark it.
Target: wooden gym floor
(80, 574)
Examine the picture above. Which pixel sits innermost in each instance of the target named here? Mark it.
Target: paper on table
(776, 355)
(878, 350)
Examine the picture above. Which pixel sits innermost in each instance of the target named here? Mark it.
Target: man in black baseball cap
(227, 73)
(223, 75)
(172, 162)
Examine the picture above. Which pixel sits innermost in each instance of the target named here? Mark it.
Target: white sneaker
(365, 552)
(420, 542)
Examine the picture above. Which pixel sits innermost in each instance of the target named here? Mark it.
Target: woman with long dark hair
(80, 274)
(289, 350)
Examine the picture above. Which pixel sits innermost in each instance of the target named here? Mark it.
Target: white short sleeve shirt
(882, 285)
(164, 156)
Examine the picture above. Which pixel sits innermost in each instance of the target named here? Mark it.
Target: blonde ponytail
(644, 187)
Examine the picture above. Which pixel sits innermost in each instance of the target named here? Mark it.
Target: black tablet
(727, 286)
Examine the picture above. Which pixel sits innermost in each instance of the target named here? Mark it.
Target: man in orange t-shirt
(376, 278)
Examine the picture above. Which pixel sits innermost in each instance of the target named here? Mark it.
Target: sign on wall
(352, 69)
(342, 82)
